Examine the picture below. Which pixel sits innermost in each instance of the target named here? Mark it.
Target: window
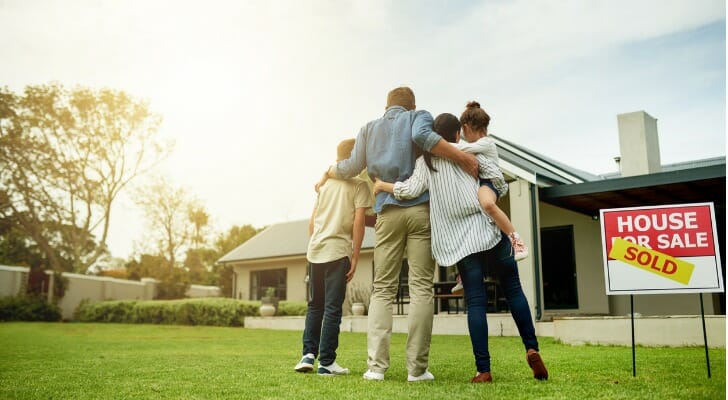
(261, 280)
(559, 268)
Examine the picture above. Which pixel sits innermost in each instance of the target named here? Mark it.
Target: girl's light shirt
(486, 147)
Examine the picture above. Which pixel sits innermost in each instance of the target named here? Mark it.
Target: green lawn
(114, 361)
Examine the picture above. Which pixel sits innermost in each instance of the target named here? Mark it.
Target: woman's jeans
(498, 262)
(326, 291)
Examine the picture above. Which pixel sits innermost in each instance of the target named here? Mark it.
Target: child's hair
(475, 117)
(447, 126)
(343, 150)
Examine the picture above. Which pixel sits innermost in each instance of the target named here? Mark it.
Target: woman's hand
(378, 186)
(381, 186)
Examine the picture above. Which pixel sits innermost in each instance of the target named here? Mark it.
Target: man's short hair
(401, 96)
(343, 151)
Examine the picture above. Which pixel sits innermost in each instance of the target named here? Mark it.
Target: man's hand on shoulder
(321, 181)
(468, 163)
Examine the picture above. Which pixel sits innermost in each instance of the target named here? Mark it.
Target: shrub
(291, 308)
(28, 308)
(208, 311)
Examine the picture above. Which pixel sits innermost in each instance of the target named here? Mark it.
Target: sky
(257, 94)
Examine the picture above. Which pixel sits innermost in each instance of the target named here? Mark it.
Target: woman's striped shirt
(459, 225)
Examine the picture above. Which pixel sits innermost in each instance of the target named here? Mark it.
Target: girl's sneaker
(458, 288)
(520, 251)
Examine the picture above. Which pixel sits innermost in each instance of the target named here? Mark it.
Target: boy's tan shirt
(333, 221)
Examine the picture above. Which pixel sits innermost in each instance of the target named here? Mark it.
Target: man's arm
(357, 236)
(429, 140)
(466, 161)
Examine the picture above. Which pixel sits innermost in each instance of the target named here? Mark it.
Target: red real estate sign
(661, 249)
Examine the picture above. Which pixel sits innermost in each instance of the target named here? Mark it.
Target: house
(556, 210)
(276, 257)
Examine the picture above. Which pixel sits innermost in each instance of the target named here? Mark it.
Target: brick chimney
(638, 144)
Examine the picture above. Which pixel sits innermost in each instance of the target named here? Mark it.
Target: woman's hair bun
(473, 104)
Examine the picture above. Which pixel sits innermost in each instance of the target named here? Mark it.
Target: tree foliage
(166, 209)
(225, 243)
(65, 155)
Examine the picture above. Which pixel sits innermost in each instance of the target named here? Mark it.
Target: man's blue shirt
(385, 146)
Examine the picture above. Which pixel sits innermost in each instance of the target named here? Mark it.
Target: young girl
(475, 122)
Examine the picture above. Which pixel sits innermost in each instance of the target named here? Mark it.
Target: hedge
(206, 311)
(28, 308)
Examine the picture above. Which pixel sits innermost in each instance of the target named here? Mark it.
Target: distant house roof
(281, 240)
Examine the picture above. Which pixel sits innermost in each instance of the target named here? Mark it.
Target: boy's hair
(475, 117)
(447, 126)
(343, 150)
(401, 96)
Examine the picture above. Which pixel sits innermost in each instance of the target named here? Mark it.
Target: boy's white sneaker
(306, 363)
(427, 376)
(373, 376)
(332, 370)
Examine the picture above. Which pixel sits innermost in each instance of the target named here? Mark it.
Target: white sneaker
(373, 376)
(332, 370)
(427, 376)
(306, 363)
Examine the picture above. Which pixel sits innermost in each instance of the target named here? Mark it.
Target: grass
(117, 361)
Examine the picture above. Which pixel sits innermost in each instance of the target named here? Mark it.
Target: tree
(225, 243)
(167, 210)
(65, 155)
(199, 218)
(146, 266)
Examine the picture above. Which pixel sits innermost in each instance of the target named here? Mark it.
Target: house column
(522, 216)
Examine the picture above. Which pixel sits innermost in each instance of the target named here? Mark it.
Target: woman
(463, 234)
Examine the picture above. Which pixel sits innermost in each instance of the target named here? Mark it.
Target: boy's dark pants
(326, 291)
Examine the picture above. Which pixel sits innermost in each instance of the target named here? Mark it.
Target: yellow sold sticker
(652, 261)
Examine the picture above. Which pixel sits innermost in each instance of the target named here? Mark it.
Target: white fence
(93, 288)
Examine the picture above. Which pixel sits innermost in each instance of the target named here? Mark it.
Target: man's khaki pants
(400, 230)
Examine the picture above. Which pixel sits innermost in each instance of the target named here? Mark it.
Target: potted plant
(358, 296)
(268, 303)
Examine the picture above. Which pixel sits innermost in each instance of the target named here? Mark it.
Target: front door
(559, 268)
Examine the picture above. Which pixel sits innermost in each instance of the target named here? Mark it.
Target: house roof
(281, 240)
(537, 168)
(586, 193)
(704, 183)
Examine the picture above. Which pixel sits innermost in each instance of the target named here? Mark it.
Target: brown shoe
(536, 364)
(482, 377)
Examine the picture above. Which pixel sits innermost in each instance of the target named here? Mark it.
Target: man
(386, 147)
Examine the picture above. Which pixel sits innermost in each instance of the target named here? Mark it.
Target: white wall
(93, 288)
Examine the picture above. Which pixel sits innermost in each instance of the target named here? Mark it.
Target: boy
(336, 230)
